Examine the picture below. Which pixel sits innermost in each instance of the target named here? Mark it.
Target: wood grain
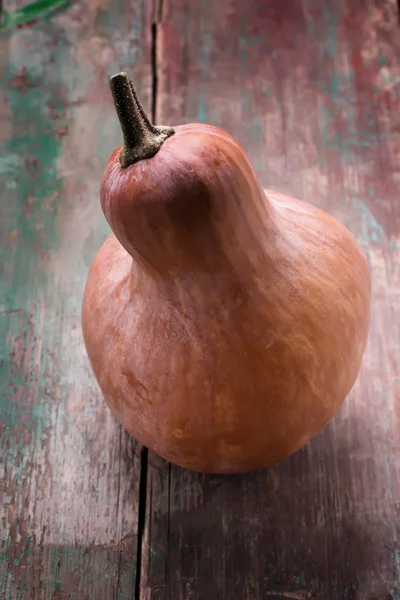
(311, 89)
(69, 476)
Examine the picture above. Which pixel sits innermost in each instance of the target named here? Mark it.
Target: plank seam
(154, 70)
(168, 527)
(141, 518)
(144, 456)
(117, 515)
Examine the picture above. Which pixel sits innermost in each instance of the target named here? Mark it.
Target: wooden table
(311, 88)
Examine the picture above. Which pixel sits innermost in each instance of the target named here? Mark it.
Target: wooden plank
(69, 476)
(311, 89)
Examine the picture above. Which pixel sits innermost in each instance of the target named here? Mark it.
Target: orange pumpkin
(224, 323)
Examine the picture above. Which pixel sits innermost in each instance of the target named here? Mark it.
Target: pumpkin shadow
(307, 526)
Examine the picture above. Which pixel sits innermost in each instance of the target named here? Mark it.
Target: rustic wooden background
(311, 88)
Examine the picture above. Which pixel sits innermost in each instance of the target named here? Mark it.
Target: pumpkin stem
(142, 139)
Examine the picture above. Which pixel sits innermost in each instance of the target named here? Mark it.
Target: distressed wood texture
(311, 89)
(69, 476)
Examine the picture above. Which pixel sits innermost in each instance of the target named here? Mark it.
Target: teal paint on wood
(69, 476)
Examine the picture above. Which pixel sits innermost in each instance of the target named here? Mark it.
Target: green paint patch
(28, 178)
(372, 232)
(201, 108)
(206, 51)
(29, 165)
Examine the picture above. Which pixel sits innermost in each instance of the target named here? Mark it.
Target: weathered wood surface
(311, 89)
(69, 476)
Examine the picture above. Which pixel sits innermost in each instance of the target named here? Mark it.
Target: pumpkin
(225, 323)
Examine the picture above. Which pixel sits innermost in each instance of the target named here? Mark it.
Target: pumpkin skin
(225, 324)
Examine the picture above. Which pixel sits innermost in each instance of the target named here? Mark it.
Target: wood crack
(157, 19)
(141, 518)
(117, 515)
